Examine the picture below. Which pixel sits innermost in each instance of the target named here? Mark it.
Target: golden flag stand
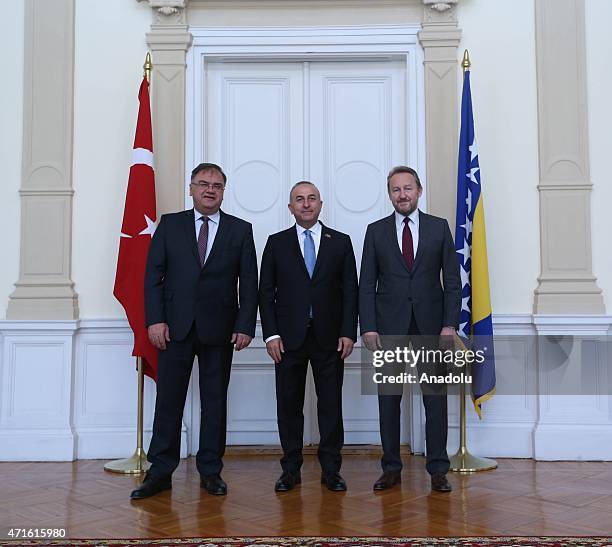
(137, 463)
(463, 461)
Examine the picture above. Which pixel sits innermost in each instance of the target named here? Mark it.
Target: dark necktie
(203, 240)
(407, 246)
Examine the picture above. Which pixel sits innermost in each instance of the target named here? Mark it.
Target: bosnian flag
(139, 216)
(471, 246)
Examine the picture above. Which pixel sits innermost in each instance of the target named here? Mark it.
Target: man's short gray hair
(299, 183)
(403, 169)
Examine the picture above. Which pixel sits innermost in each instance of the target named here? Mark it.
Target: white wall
(496, 32)
(599, 82)
(11, 124)
(110, 51)
(500, 37)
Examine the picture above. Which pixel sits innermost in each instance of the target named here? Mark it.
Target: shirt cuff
(271, 338)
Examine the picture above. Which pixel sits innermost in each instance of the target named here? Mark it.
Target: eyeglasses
(216, 186)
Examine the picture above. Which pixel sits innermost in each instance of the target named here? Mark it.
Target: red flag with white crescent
(139, 216)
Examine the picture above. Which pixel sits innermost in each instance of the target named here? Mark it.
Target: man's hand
(159, 334)
(240, 340)
(447, 338)
(371, 340)
(345, 345)
(275, 349)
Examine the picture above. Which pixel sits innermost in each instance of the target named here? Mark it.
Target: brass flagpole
(463, 461)
(137, 463)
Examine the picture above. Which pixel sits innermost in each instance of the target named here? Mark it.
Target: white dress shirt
(413, 224)
(213, 226)
(315, 232)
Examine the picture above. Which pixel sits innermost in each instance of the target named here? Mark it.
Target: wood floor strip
(521, 497)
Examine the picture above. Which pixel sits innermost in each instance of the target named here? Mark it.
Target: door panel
(340, 124)
(357, 133)
(255, 130)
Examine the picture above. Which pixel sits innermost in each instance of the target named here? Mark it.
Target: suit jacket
(220, 297)
(389, 293)
(286, 291)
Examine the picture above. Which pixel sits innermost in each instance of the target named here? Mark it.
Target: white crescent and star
(149, 230)
(142, 156)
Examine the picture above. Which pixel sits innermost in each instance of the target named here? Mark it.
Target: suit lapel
(189, 227)
(294, 246)
(392, 235)
(324, 245)
(423, 241)
(222, 232)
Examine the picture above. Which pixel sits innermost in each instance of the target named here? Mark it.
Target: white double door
(339, 124)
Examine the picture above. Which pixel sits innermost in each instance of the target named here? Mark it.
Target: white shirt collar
(214, 217)
(315, 230)
(414, 216)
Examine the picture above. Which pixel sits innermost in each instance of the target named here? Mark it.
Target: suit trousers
(173, 372)
(436, 419)
(328, 373)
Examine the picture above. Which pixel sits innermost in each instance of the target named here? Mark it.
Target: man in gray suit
(400, 294)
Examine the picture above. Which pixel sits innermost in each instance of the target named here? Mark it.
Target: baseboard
(103, 444)
(576, 442)
(275, 450)
(56, 445)
(495, 440)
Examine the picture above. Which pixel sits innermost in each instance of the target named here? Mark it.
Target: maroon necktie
(203, 240)
(407, 247)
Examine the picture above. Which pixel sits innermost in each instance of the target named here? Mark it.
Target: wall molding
(68, 391)
(566, 283)
(45, 289)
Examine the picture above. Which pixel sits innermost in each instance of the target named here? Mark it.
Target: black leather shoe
(387, 480)
(214, 485)
(287, 481)
(151, 486)
(439, 483)
(333, 481)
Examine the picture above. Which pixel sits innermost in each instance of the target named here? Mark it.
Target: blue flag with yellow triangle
(476, 324)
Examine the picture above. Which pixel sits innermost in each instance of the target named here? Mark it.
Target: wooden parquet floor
(521, 497)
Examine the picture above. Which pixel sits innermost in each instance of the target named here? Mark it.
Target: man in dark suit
(400, 294)
(200, 299)
(308, 307)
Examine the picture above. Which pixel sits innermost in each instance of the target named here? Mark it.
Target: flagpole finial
(148, 66)
(466, 64)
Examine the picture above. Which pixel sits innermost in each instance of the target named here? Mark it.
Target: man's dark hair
(207, 167)
(403, 169)
(300, 183)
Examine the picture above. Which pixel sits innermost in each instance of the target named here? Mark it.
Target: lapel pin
(327, 235)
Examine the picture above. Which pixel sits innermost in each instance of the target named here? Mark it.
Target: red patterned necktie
(203, 240)
(407, 246)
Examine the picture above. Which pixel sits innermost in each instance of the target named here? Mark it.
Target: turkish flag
(139, 218)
